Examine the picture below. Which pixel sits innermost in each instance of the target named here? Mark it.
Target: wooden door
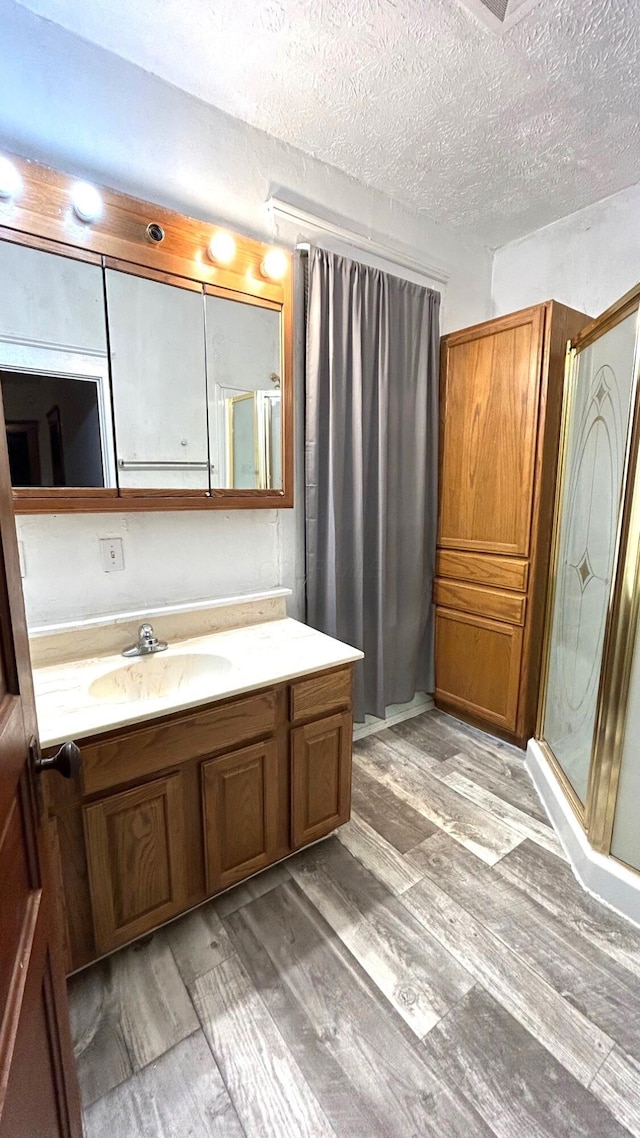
(320, 777)
(38, 1085)
(136, 860)
(489, 415)
(240, 798)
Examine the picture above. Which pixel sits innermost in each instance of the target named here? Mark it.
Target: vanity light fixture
(10, 180)
(274, 265)
(221, 248)
(86, 200)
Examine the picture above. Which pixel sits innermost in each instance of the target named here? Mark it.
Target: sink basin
(153, 677)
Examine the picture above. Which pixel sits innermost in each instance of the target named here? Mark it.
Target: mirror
(157, 350)
(135, 365)
(244, 369)
(54, 370)
(54, 430)
(252, 440)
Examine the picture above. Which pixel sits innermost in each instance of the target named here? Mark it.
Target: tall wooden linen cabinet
(500, 410)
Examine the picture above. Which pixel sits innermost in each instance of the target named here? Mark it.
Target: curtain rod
(278, 207)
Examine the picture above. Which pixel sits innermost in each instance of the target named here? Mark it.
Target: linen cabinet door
(156, 340)
(478, 666)
(320, 777)
(135, 858)
(488, 434)
(240, 808)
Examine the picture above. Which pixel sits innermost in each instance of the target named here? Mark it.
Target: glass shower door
(595, 441)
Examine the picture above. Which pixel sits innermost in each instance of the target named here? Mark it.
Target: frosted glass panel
(625, 842)
(587, 528)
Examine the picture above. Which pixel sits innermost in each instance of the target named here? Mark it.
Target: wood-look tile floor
(434, 969)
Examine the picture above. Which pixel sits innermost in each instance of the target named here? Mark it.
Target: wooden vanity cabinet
(501, 388)
(170, 812)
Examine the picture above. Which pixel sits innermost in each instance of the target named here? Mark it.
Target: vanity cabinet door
(136, 862)
(156, 341)
(320, 777)
(240, 809)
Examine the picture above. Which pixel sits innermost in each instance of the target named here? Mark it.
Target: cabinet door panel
(489, 415)
(320, 777)
(156, 338)
(135, 855)
(240, 805)
(478, 666)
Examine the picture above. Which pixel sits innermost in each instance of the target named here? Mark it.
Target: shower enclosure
(589, 714)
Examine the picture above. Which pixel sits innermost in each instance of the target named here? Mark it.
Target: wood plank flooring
(434, 969)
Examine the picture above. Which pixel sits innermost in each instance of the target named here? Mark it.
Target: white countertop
(259, 655)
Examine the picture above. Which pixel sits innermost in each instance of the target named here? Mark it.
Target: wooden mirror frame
(41, 215)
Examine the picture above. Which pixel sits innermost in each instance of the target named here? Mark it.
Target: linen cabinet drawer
(478, 666)
(318, 695)
(495, 603)
(147, 751)
(483, 569)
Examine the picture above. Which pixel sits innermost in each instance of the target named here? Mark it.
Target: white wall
(78, 108)
(586, 260)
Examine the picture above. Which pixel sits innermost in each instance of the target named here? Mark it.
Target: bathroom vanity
(188, 790)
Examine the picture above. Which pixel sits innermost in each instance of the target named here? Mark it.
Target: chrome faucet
(147, 642)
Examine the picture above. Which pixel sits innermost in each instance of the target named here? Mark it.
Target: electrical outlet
(112, 554)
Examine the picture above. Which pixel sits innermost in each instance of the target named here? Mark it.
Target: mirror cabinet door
(54, 370)
(244, 369)
(157, 346)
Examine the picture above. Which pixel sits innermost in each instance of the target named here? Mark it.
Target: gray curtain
(371, 460)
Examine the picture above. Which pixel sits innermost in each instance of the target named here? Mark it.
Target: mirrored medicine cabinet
(145, 357)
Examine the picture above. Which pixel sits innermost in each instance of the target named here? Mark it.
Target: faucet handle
(146, 635)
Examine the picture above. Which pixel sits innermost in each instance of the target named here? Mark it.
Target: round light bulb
(87, 202)
(222, 247)
(274, 265)
(10, 180)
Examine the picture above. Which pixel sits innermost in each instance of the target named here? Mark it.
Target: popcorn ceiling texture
(495, 134)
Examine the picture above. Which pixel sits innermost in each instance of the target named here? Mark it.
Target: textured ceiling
(499, 134)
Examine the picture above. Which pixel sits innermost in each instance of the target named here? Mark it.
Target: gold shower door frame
(596, 815)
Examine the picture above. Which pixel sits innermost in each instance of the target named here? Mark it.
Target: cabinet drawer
(495, 603)
(478, 666)
(319, 694)
(151, 749)
(483, 568)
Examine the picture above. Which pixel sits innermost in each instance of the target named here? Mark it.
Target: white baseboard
(395, 713)
(605, 878)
